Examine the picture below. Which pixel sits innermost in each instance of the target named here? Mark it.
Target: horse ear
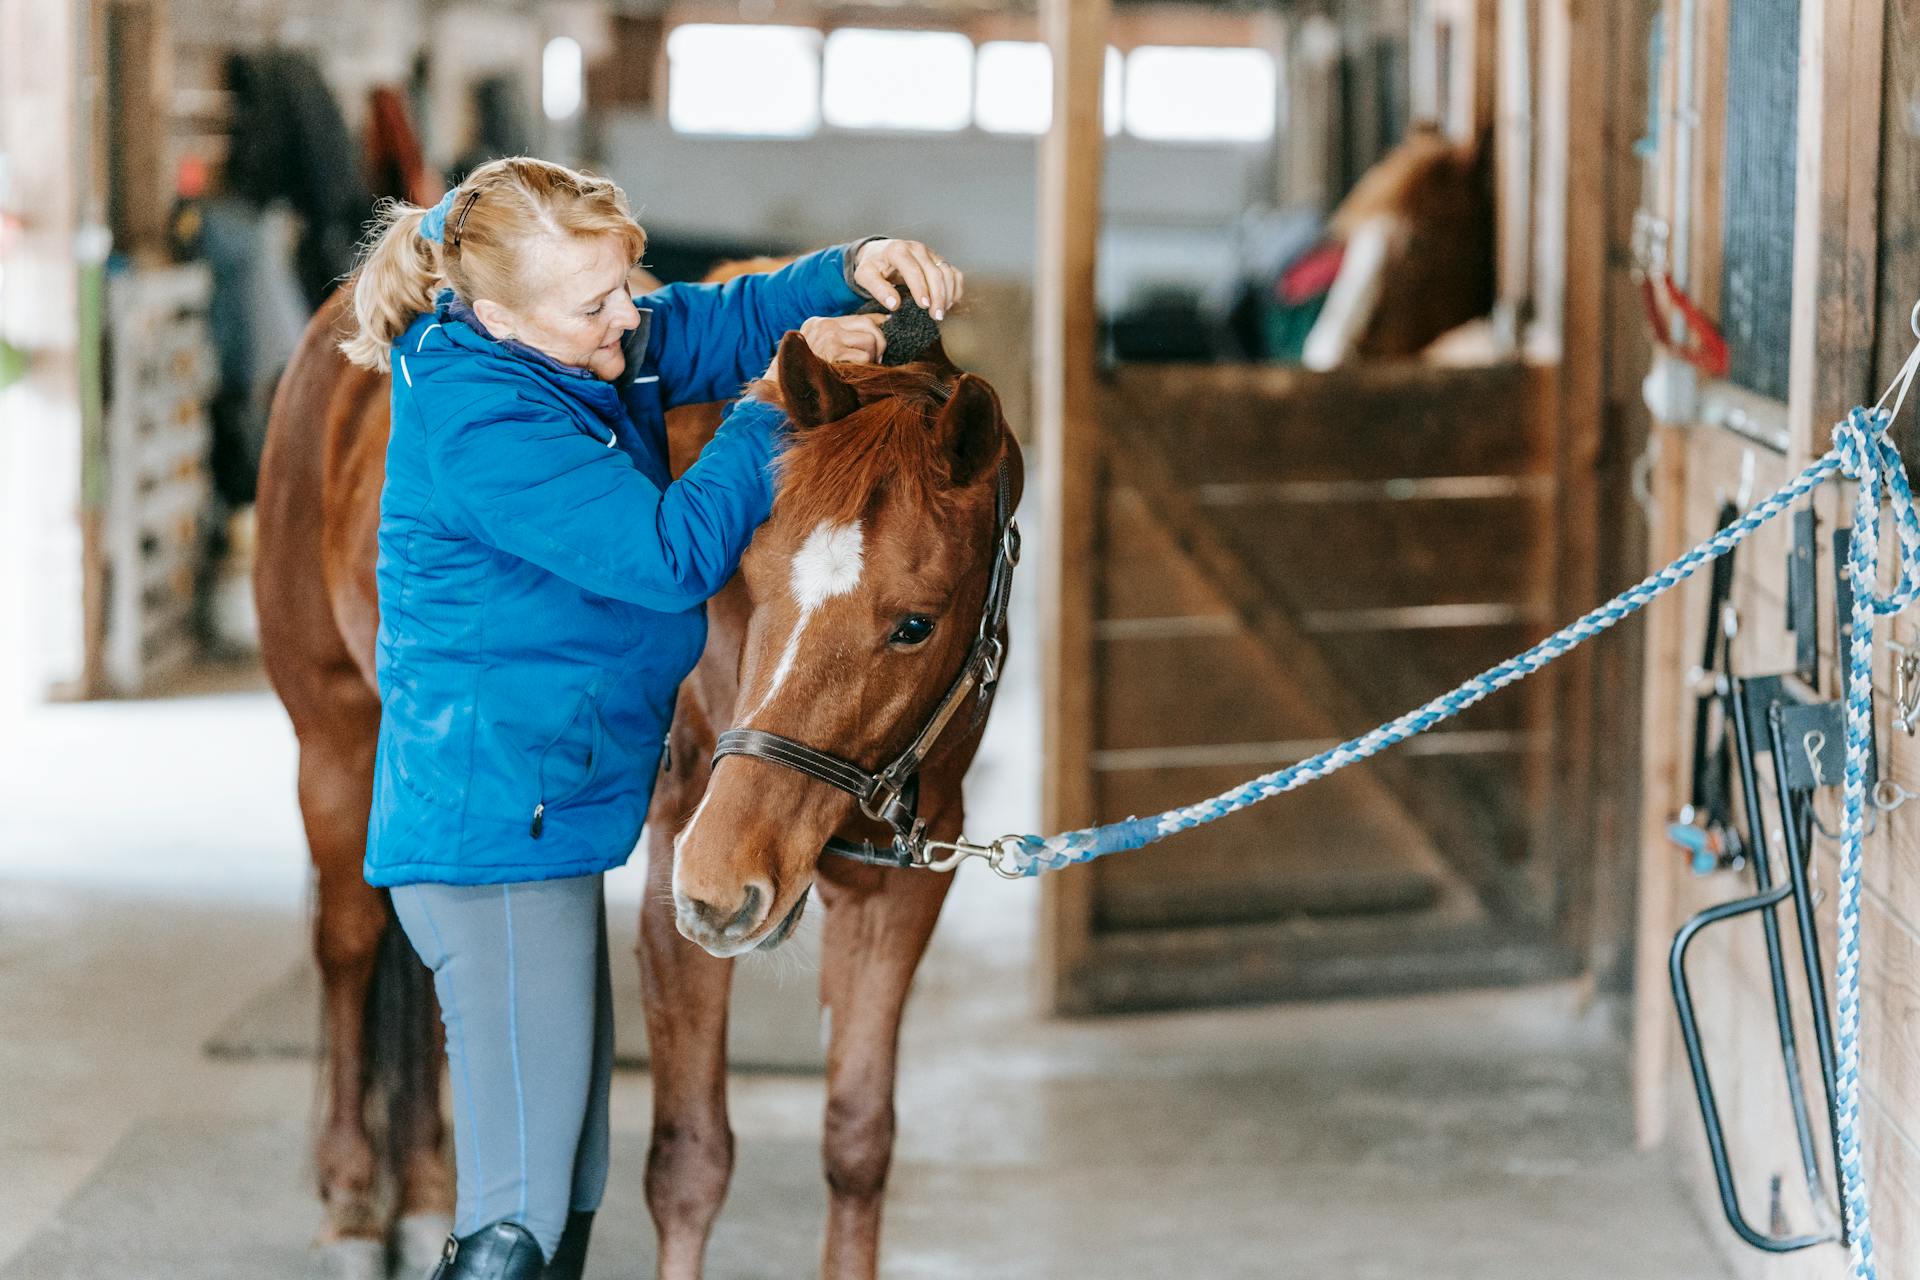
(813, 392)
(969, 428)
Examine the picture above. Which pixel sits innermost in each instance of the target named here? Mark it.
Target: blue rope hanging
(1862, 452)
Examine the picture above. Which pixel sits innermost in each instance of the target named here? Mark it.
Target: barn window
(763, 80)
(1189, 94)
(898, 80)
(560, 78)
(1013, 87)
(1756, 248)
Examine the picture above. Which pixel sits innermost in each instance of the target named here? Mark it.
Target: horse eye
(912, 630)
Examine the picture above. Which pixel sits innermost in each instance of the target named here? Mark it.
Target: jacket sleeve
(523, 478)
(709, 340)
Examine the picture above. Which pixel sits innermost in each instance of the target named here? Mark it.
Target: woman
(541, 576)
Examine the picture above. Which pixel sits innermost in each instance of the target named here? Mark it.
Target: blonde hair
(496, 218)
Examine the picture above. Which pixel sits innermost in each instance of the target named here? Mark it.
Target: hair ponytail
(399, 273)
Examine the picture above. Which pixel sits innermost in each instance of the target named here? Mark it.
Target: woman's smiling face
(580, 309)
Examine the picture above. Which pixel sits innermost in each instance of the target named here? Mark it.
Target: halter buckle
(882, 802)
(993, 652)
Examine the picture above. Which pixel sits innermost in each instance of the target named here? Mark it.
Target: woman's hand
(934, 282)
(841, 339)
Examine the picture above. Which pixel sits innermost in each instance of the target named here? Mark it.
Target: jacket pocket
(559, 778)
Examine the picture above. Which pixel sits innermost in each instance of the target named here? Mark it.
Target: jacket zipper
(588, 705)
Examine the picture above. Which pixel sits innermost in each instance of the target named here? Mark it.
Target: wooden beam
(1485, 89)
(1573, 113)
(1836, 218)
(1067, 399)
(1664, 695)
(140, 87)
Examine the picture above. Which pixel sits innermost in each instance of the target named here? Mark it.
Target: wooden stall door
(1284, 559)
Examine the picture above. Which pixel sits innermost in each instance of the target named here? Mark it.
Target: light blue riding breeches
(521, 972)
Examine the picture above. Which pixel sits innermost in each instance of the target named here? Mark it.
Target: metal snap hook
(1906, 688)
(1811, 743)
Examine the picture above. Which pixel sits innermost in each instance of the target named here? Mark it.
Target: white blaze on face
(1355, 294)
(828, 564)
(682, 839)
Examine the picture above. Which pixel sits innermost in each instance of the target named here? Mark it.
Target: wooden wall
(1856, 276)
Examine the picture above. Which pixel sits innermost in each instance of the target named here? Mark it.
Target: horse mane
(833, 472)
(1425, 168)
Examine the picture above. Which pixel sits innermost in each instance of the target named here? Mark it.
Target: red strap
(1311, 275)
(1704, 347)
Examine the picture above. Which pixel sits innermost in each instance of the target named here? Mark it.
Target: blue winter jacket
(542, 576)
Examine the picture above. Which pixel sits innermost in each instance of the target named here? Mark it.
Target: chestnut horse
(1418, 231)
(852, 611)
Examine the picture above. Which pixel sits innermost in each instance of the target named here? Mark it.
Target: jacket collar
(633, 345)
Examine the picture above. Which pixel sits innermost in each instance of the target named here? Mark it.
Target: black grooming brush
(909, 330)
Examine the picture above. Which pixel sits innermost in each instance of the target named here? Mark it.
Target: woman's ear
(969, 428)
(813, 392)
(500, 322)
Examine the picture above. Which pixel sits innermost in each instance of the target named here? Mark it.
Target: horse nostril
(749, 913)
(731, 921)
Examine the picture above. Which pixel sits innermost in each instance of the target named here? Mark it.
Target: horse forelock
(890, 446)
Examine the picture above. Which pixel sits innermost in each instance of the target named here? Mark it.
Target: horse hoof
(355, 1258)
(418, 1239)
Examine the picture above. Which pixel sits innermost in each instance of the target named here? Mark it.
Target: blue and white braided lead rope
(1861, 452)
(1869, 457)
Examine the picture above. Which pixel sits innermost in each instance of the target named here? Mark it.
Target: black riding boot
(502, 1251)
(569, 1259)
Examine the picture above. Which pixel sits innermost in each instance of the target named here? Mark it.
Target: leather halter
(892, 795)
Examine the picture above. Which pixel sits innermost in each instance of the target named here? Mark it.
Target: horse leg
(427, 1186)
(877, 926)
(691, 1156)
(336, 791)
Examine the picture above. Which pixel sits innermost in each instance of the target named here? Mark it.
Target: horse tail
(403, 1045)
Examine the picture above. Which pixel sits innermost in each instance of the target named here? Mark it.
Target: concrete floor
(152, 881)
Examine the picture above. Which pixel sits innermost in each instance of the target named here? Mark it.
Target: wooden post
(1066, 393)
(1664, 689)
(1836, 218)
(1573, 113)
(1311, 85)
(1483, 87)
(140, 87)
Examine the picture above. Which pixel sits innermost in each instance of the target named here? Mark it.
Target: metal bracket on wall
(1803, 739)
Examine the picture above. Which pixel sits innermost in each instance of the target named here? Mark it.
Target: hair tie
(433, 227)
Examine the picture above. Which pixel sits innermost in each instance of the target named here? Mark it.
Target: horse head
(1418, 230)
(868, 585)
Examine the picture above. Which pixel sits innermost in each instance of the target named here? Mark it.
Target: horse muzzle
(731, 929)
